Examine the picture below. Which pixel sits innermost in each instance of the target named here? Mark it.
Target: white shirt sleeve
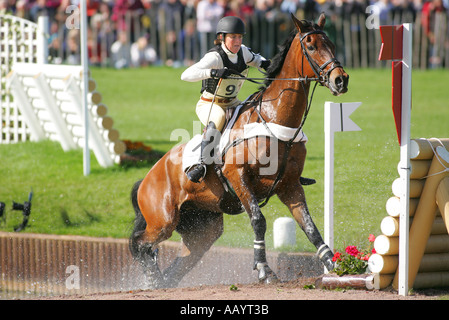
(212, 60)
(252, 59)
(201, 69)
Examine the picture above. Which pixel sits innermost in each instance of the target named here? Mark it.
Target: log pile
(429, 222)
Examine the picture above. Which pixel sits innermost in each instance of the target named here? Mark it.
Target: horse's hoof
(153, 282)
(329, 264)
(271, 279)
(325, 254)
(266, 275)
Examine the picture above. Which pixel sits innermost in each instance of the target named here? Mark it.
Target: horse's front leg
(294, 198)
(259, 225)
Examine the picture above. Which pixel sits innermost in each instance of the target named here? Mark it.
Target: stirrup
(306, 181)
(197, 173)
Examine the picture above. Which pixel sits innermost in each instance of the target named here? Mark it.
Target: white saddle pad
(192, 151)
(275, 130)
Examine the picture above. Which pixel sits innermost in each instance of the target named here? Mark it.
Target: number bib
(229, 88)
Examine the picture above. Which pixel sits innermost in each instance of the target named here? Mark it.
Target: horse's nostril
(339, 81)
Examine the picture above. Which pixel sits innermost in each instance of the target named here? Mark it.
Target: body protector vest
(229, 88)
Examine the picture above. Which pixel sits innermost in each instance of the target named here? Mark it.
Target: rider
(228, 58)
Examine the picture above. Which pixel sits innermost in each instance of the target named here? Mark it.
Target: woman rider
(221, 62)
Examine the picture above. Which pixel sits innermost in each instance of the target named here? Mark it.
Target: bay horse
(166, 201)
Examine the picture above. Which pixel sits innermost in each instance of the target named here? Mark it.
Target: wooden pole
(432, 280)
(423, 149)
(443, 200)
(357, 281)
(390, 226)
(438, 243)
(434, 262)
(383, 264)
(415, 188)
(419, 168)
(85, 79)
(393, 206)
(386, 245)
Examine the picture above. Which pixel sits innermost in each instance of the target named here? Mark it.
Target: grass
(148, 104)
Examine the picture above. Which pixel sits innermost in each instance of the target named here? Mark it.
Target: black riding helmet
(231, 24)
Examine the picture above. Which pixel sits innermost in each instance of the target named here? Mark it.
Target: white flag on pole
(336, 119)
(339, 116)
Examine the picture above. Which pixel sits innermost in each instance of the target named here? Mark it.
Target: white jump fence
(44, 101)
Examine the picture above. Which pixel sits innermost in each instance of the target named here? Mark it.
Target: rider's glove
(265, 64)
(220, 73)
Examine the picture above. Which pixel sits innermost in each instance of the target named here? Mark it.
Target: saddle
(192, 150)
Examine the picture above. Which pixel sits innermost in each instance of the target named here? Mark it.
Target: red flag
(396, 96)
(391, 42)
(392, 50)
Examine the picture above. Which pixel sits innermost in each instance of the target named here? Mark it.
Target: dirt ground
(294, 290)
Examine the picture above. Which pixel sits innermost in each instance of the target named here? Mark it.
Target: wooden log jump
(425, 212)
(429, 221)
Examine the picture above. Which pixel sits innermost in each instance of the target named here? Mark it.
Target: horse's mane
(278, 60)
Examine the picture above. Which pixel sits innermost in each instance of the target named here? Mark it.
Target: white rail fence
(43, 101)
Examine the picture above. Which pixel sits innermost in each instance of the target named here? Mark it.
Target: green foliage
(353, 260)
(148, 104)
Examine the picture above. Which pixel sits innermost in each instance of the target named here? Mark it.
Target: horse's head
(319, 51)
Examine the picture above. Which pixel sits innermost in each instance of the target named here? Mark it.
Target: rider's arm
(201, 70)
(251, 58)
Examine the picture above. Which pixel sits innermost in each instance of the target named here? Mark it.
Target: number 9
(230, 89)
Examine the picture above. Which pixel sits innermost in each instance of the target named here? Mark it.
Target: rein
(288, 145)
(256, 80)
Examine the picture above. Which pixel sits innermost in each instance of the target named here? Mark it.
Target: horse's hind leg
(199, 230)
(142, 243)
(144, 253)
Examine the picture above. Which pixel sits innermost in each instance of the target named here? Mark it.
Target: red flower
(371, 238)
(352, 250)
(337, 257)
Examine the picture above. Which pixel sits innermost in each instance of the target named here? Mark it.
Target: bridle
(321, 75)
(319, 71)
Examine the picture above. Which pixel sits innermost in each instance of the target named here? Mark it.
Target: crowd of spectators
(121, 30)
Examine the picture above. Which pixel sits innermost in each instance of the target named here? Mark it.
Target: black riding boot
(208, 144)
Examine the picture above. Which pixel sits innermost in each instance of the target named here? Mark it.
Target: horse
(166, 201)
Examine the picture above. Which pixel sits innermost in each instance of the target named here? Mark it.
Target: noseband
(319, 71)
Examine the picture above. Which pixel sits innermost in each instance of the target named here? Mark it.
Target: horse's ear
(321, 20)
(297, 23)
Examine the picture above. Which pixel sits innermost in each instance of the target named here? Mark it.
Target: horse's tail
(139, 222)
